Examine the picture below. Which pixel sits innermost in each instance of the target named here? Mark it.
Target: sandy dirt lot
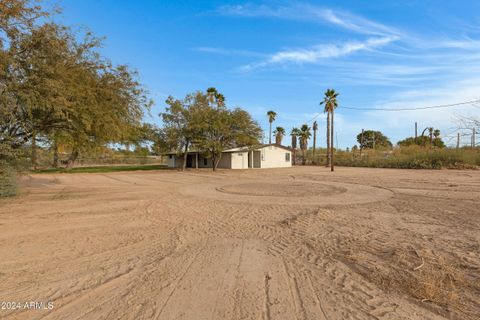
(296, 243)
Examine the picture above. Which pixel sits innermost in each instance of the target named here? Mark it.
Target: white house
(266, 156)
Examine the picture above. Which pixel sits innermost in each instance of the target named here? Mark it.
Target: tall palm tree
(315, 128)
(330, 102)
(271, 117)
(304, 134)
(279, 134)
(294, 133)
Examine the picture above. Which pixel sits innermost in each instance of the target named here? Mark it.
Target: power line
(417, 108)
(404, 109)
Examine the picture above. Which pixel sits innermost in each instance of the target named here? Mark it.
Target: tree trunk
(215, 161)
(270, 138)
(185, 155)
(55, 155)
(314, 144)
(34, 150)
(278, 139)
(331, 147)
(328, 163)
(73, 157)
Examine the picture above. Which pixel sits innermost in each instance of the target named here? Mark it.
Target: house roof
(238, 149)
(243, 149)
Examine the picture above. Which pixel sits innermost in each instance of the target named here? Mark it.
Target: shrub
(411, 157)
(8, 185)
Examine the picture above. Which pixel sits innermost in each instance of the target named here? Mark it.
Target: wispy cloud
(378, 34)
(355, 23)
(230, 52)
(307, 12)
(319, 52)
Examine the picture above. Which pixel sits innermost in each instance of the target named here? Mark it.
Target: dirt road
(296, 243)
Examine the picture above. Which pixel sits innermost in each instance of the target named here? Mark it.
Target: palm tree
(315, 128)
(271, 117)
(279, 134)
(430, 133)
(304, 134)
(330, 102)
(294, 133)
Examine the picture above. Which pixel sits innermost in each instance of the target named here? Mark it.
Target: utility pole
(336, 139)
(416, 132)
(373, 140)
(315, 127)
(473, 138)
(458, 140)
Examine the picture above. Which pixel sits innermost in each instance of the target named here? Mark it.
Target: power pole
(458, 140)
(336, 139)
(473, 138)
(315, 127)
(373, 140)
(416, 132)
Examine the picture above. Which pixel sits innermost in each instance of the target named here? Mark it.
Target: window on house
(287, 157)
(171, 156)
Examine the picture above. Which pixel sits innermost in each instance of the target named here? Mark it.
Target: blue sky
(283, 55)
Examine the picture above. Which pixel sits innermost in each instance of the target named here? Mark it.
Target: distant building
(266, 156)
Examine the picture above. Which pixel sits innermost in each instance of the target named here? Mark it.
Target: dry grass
(412, 157)
(424, 276)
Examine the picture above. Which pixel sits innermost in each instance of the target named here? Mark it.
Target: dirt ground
(295, 243)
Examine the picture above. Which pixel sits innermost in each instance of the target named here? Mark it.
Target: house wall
(225, 161)
(207, 162)
(266, 157)
(274, 157)
(204, 162)
(257, 159)
(171, 161)
(239, 160)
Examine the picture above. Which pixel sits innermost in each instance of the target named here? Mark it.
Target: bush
(8, 185)
(412, 157)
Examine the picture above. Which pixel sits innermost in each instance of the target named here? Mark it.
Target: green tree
(421, 141)
(226, 129)
(182, 120)
(330, 102)
(17, 17)
(58, 85)
(373, 140)
(279, 134)
(203, 121)
(271, 117)
(304, 134)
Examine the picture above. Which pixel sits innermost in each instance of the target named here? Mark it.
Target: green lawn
(102, 169)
